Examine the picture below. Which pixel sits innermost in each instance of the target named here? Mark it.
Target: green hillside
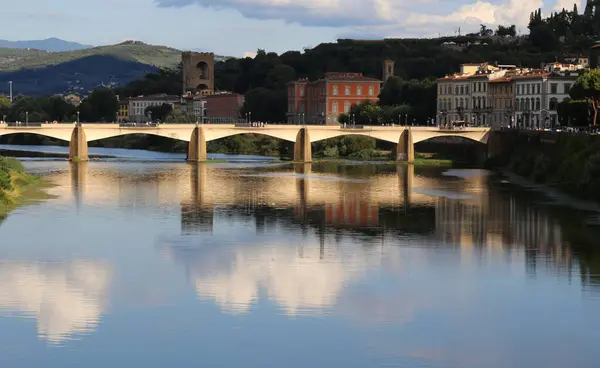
(158, 56)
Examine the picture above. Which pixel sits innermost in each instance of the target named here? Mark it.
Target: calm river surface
(169, 264)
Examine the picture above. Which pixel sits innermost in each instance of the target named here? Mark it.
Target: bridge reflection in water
(464, 213)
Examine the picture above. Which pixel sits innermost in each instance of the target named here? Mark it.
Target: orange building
(323, 100)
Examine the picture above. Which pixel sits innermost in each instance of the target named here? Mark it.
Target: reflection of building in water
(503, 222)
(65, 298)
(352, 210)
(462, 213)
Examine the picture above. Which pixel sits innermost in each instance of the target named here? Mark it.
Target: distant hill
(49, 44)
(37, 72)
(77, 76)
(158, 56)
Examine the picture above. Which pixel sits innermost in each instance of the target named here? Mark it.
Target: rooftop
(158, 97)
(336, 76)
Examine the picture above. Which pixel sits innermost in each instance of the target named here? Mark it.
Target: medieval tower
(388, 69)
(198, 72)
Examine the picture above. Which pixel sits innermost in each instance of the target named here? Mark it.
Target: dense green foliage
(8, 166)
(100, 105)
(571, 164)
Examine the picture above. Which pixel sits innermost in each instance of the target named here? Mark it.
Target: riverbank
(16, 186)
(569, 163)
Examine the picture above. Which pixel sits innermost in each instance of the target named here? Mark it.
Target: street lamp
(250, 116)
(78, 123)
(10, 91)
(26, 117)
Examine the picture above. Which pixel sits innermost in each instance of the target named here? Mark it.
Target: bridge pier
(197, 146)
(302, 147)
(78, 147)
(405, 149)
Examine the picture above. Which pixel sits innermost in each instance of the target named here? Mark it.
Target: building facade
(123, 111)
(223, 107)
(505, 95)
(322, 101)
(137, 105)
(501, 97)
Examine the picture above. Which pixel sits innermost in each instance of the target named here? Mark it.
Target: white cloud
(65, 299)
(400, 15)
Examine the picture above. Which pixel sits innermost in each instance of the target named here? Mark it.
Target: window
(528, 89)
(538, 88)
(371, 91)
(301, 91)
(484, 87)
(553, 103)
(554, 88)
(567, 87)
(334, 107)
(537, 103)
(462, 90)
(347, 106)
(347, 90)
(467, 90)
(518, 89)
(335, 90)
(359, 90)
(456, 90)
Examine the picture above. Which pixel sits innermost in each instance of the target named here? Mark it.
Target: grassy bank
(16, 186)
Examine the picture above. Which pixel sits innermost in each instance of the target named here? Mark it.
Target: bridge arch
(386, 136)
(64, 136)
(479, 136)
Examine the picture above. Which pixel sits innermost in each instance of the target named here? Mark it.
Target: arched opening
(201, 87)
(203, 70)
(451, 148)
(252, 144)
(353, 146)
(32, 145)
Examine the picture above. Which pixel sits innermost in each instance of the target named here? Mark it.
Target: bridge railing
(21, 124)
(137, 125)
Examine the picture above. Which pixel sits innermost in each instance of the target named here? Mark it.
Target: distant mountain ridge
(36, 72)
(50, 44)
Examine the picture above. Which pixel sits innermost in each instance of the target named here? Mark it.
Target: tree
(58, 109)
(265, 105)
(159, 113)
(100, 105)
(391, 93)
(4, 105)
(178, 116)
(587, 86)
(503, 31)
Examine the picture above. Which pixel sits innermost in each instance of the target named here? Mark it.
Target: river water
(168, 264)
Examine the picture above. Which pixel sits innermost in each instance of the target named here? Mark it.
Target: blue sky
(232, 27)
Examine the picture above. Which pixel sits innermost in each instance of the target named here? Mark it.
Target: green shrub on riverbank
(13, 181)
(571, 163)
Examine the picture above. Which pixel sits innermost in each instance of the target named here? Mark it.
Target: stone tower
(198, 72)
(388, 69)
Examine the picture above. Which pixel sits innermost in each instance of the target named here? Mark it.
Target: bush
(5, 183)
(8, 164)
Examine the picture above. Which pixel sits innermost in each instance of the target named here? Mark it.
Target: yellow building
(123, 112)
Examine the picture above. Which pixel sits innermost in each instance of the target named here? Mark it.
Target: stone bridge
(404, 138)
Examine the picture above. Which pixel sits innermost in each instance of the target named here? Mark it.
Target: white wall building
(138, 105)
